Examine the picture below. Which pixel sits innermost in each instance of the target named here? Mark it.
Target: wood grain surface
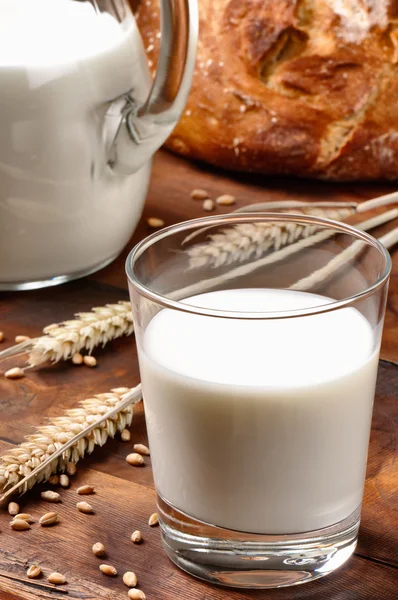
(125, 496)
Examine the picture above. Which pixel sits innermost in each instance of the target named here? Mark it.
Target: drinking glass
(258, 340)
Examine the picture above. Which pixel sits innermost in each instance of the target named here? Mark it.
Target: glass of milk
(79, 122)
(258, 361)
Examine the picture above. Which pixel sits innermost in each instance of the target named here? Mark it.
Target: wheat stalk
(246, 241)
(88, 330)
(388, 240)
(67, 439)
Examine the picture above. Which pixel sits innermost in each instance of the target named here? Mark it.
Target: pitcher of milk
(79, 122)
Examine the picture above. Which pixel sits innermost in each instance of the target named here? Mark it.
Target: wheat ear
(88, 330)
(274, 257)
(67, 438)
(251, 240)
(245, 241)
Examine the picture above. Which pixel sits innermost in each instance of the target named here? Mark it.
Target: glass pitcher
(80, 119)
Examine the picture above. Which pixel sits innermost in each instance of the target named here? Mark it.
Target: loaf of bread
(298, 87)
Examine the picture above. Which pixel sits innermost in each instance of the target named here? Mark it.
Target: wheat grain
(20, 461)
(130, 579)
(108, 570)
(90, 361)
(56, 578)
(98, 549)
(141, 449)
(33, 572)
(85, 507)
(251, 240)
(50, 496)
(21, 338)
(125, 435)
(135, 594)
(225, 200)
(13, 509)
(77, 358)
(155, 222)
(135, 459)
(19, 525)
(25, 517)
(64, 340)
(136, 537)
(153, 520)
(64, 480)
(208, 205)
(48, 519)
(84, 490)
(199, 194)
(14, 373)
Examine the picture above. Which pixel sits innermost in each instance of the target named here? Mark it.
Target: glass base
(246, 560)
(52, 281)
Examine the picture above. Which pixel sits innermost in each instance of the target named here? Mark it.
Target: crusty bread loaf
(302, 87)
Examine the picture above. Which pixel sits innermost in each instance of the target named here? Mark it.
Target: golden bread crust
(298, 87)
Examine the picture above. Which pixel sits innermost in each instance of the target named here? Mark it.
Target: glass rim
(245, 217)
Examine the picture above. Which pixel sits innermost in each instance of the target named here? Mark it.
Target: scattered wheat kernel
(89, 361)
(57, 578)
(153, 520)
(225, 200)
(50, 496)
(136, 537)
(135, 459)
(199, 195)
(1, 336)
(98, 549)
(33, 572)
(25, 517)
(19, 525)
(64, 480)
(108, 570)
(77, 358)
(13, 509)
(21, 338)
(71, 469)
(85, 507)
(136, 594)
(208, 205)
(141, 449)
(125, 435)
(53, 480)
(155, 222)
(83, 490)
(14, 373)
(130, 579)
(48, 519)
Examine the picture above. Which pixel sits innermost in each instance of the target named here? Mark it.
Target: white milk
(260, 426)
(61, 208)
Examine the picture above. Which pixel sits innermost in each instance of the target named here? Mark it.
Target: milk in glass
(260, 425)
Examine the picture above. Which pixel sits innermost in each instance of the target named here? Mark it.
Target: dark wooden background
(125, 496)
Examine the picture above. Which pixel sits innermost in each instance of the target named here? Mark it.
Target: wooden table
(125, 495)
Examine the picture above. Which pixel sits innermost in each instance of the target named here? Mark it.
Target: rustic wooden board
(125, 496)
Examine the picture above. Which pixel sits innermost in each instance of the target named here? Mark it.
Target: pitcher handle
(150, 124)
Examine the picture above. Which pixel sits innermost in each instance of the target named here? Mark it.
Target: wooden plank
(122, 507)
(125, 495)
